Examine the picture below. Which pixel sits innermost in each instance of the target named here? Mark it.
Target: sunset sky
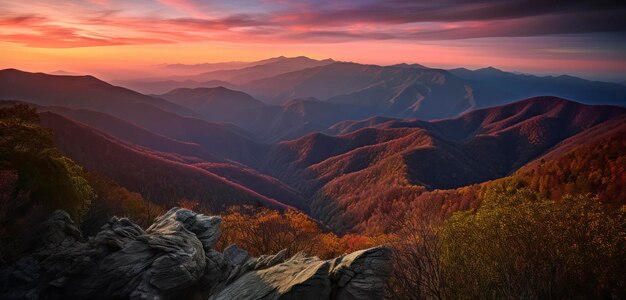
(544, 37)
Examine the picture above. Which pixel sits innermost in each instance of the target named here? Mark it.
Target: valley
(315, 156)
(344, 162)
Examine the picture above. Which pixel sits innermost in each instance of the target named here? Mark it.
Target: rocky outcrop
(175, 257)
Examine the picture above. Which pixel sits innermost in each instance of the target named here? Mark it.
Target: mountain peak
(297, 58)
(11, 70)
(24, 75)
(64, 73)
(490, 69)
(409, 66)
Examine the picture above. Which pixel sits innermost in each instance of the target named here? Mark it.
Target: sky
(583, 38)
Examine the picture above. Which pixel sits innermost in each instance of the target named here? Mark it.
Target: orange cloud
(189, 7)
(37, 31)
(81, 26)
(509, 33)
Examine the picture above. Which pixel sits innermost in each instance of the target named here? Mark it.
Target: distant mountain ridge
(162, 86)
(76, 92)
(400, 90)
(488, 86)
(268, 68)
(348, 91)
(212, 103)
(209, 67)
(229, 75)
(375, 90)
(570, 87)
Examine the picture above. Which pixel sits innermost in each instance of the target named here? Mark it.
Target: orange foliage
(264, 231)
(596, 168)
(114, 200)
(188, 203)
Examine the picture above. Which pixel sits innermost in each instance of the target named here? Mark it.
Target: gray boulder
(175, 258)
(298, 278)
(361, 274)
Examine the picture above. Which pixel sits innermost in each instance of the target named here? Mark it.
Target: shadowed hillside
(134, 134)
(160, 180)
(588, 163)
(356, 173)
(76, 92)
(293, 119)
(221, 140)
(212, 103)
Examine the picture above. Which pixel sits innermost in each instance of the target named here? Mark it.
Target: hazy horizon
(141, 72)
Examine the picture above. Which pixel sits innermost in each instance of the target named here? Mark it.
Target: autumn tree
(417, 264)
(51, 179)
(519, 245)
(113, 200)
(36, 178)
(264, 231)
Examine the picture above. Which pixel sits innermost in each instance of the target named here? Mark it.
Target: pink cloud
(40, 32)
(189, 7)
(406, 21)
(100, 2)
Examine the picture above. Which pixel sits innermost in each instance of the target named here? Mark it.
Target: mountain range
(353, 174)
(525, 85)
(395, 88)
(350, 144)
(309, 95)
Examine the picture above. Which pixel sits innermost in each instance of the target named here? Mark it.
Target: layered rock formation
(175, 257)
